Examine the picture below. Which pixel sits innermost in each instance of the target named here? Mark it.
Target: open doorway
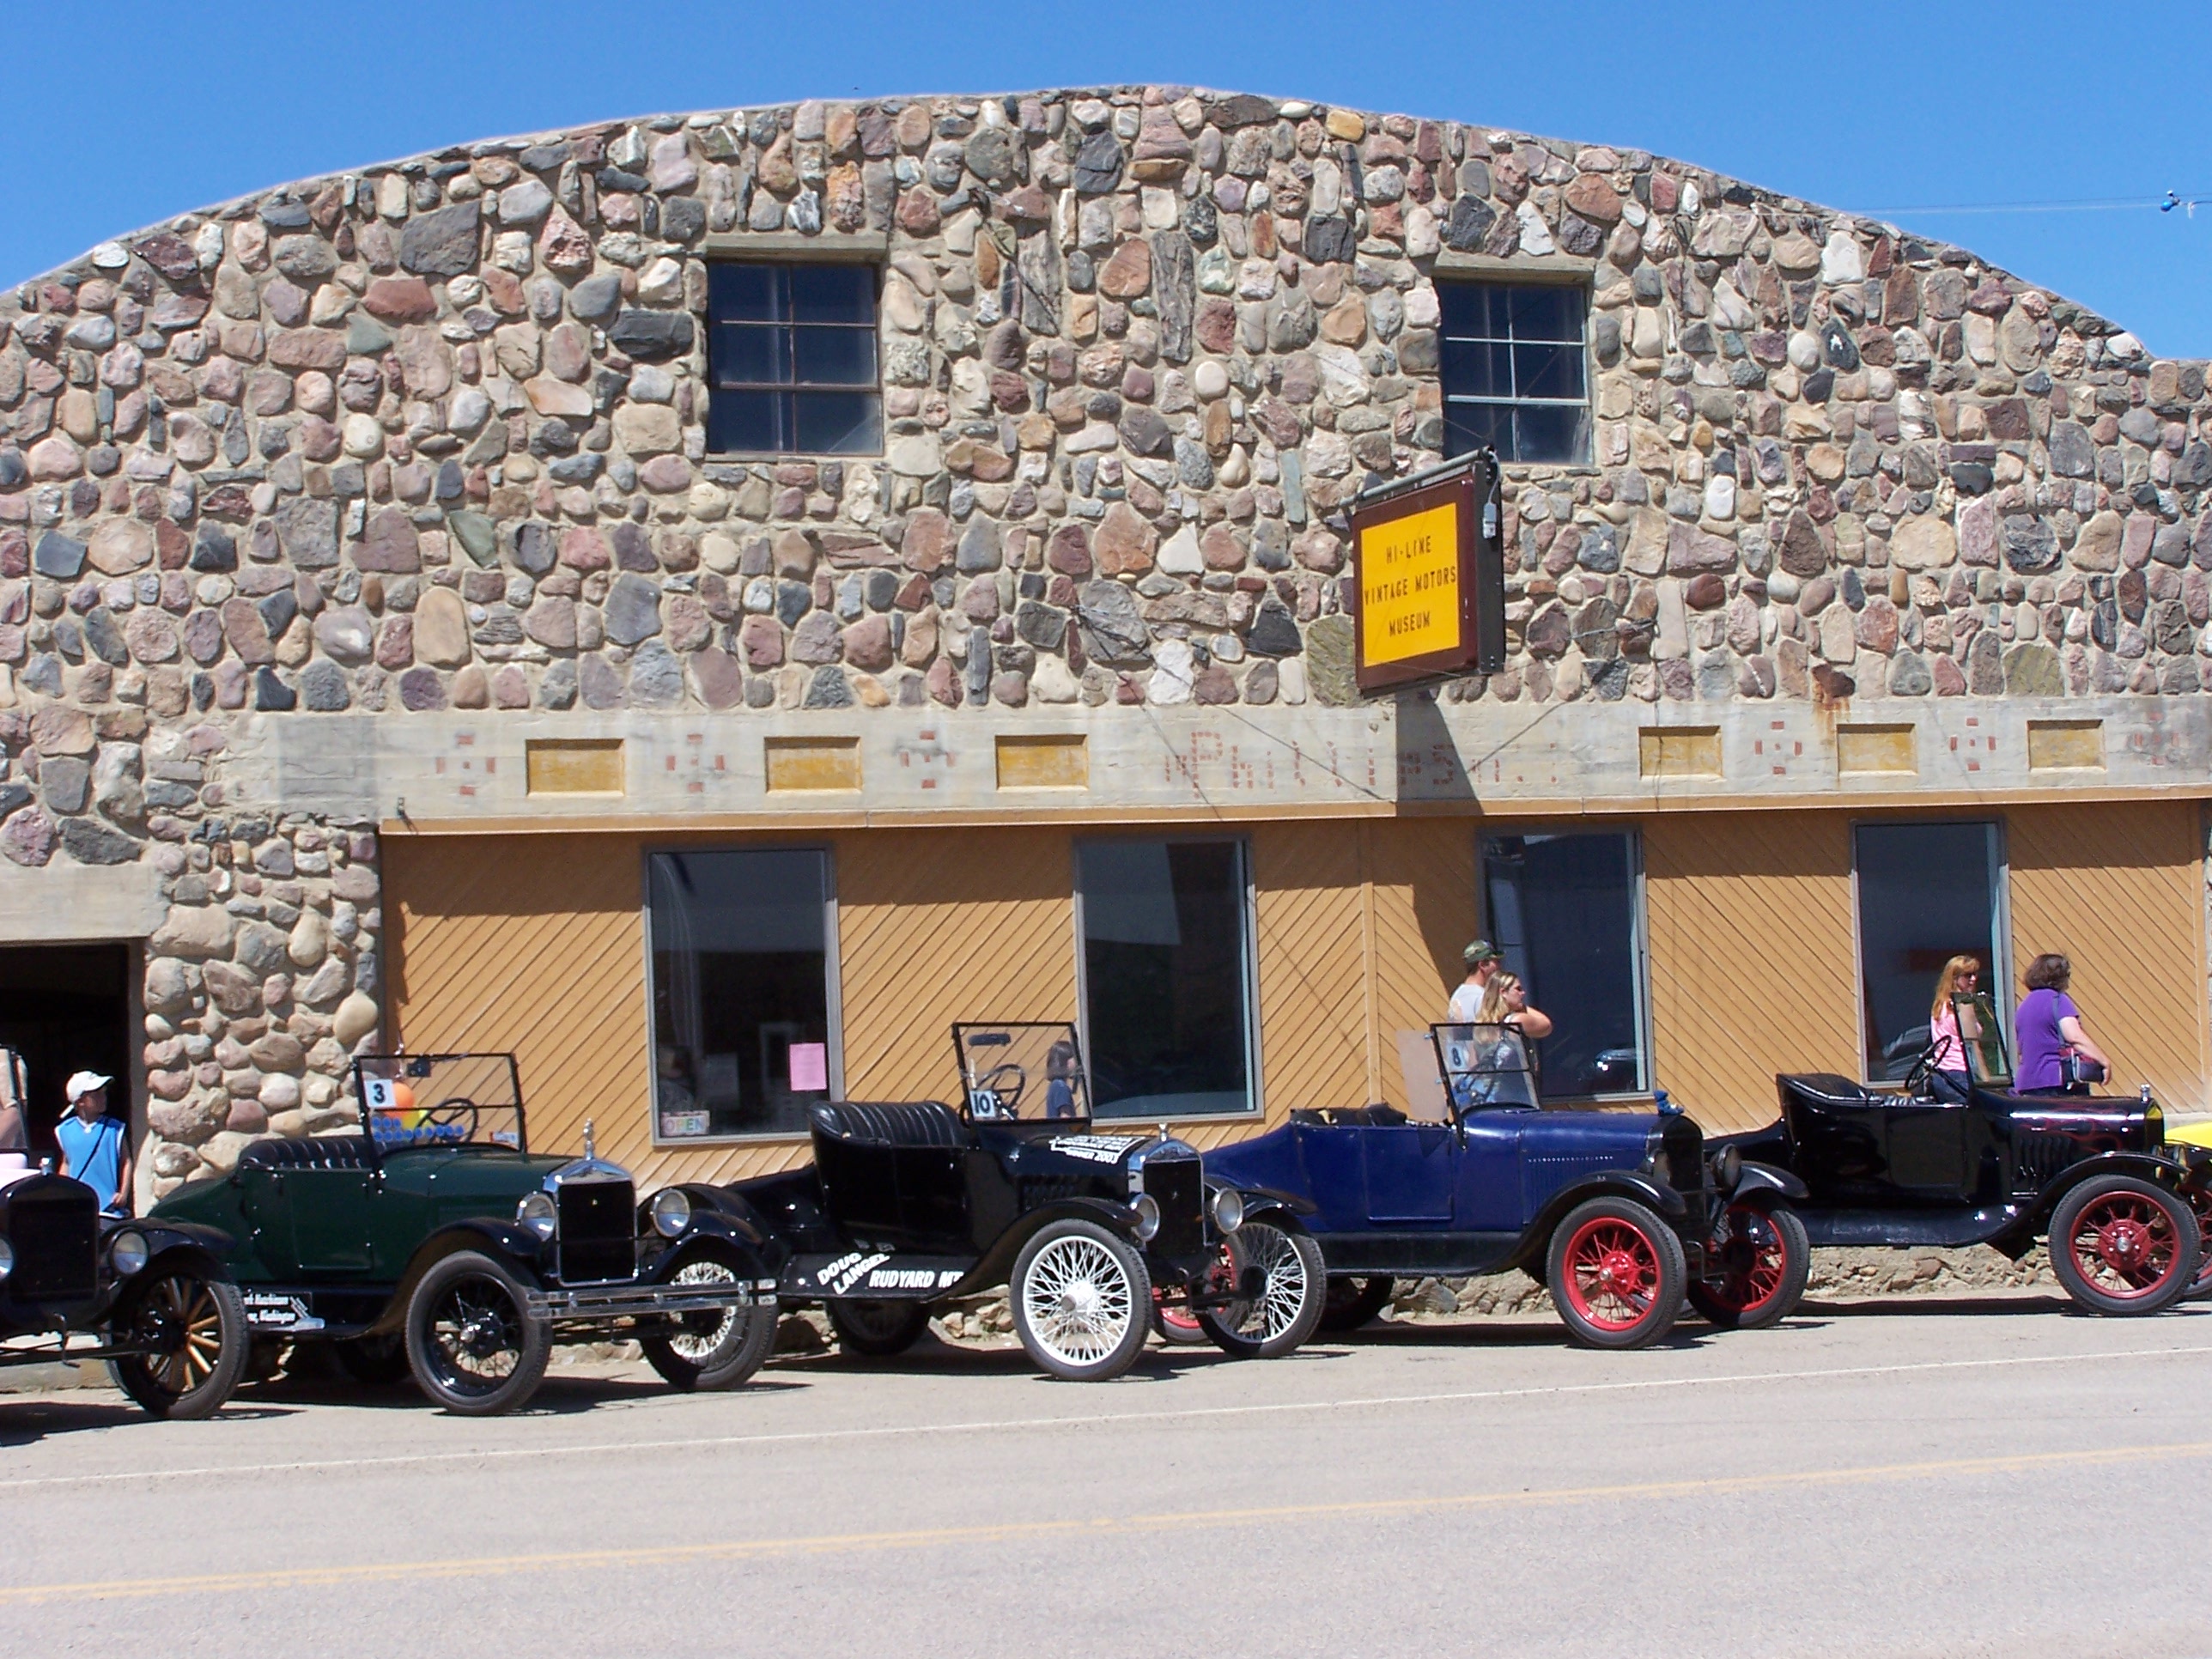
(66, 1008)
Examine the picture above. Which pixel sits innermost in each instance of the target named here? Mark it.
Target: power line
(2165, 203)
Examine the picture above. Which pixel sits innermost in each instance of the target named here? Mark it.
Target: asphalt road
(1919, 1477)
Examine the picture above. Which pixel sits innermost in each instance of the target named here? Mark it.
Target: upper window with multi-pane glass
(792, 351)
(1516, 373)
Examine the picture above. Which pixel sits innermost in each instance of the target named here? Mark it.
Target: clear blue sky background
(121, 114)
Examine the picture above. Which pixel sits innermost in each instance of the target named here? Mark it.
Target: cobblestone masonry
(429, 436)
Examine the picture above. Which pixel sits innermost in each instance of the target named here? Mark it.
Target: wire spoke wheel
(477, 1335)
(1079, 1300)
(699, 1333)
(1287, 1309)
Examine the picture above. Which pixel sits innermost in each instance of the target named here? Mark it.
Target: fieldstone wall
(430, 436)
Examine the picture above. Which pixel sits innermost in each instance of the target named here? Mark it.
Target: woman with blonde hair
(1503, 1077)
(1961, 977)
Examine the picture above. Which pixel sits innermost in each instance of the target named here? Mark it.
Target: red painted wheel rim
(1221, 1276)
(1613, 1273)
(2124, 1244)
(1754, 1260)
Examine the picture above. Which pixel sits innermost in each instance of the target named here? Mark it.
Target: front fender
(1260, 1198)
(712, 1237)
(998, 1261)
(1633, 1184)
(1761, 1186)
(728, 1207)
(2164, 1172)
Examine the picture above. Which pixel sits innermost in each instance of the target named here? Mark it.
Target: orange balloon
(403, 1097)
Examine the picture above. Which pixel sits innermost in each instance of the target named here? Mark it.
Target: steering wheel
(1006, 1080)
(1920, 1081)
(459, 1110)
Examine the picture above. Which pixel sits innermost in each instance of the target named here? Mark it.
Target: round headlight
(540, 1214)
(1727, 1168)
(1148, 1216)
(129, 1252)
(7, 1258)
(1228, 1209)
(671, 1212)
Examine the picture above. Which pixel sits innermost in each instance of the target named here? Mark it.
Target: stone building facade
(352, 511)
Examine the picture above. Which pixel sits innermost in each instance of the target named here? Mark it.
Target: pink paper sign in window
(810, 1067)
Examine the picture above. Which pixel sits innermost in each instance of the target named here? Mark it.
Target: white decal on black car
(1094, 1149)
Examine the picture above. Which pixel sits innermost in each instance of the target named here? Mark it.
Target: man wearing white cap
(95, 1147)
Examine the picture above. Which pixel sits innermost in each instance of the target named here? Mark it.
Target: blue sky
(126, 113)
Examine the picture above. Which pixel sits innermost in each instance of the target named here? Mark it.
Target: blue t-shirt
(94, 1151)
(2040, 1044)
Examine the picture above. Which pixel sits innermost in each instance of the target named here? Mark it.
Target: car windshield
(1484, 1066)
(1022, 1069)
(440, 1100)
(1982, 1036)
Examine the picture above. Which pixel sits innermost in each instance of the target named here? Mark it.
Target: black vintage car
(434, 1241)
(151, 1298)
(1622, 1215)
(1949, 1160)
(910, 1205)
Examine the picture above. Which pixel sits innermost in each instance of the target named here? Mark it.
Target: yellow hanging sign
(1409, 597)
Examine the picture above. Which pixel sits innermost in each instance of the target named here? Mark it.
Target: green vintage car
(434, 1241)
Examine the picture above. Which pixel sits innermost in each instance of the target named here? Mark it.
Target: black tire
(471, 1342)
(374, 1362)
(1760, 1279)
(2200, 1201)
(197, 1326)
(1082, 1301)
(714, 1348)
(1353, 1303)
(1286, 1312)
(1617, 1273)
(2122, 1246)
(877, 1330)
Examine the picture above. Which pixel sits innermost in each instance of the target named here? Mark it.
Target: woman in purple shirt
(2048, 1025)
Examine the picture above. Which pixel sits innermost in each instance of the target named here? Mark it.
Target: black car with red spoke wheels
(1099, 1236)
(434, 1243)
(151, 1299)
(1952, 1158)
(1621, 1214)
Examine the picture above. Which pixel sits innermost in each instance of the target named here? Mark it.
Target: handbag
(2077, 1070)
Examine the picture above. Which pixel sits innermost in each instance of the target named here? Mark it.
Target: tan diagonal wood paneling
(2119, 888)
(1313, 1004)
(536, 944)
(939, 925)
(1424, 899)
(1751, 956)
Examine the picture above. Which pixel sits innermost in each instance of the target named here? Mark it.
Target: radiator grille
(1174, 1185)
(598, 1231)
(55, 1231)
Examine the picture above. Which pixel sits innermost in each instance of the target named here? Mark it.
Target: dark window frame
(1248, 963)
(1504, 283)
(1639, 946)
(1997, 981)
(832, 987)
(784, 328)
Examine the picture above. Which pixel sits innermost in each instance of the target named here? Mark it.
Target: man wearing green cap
(1483, 964)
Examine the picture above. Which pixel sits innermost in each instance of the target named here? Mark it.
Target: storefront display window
(1927, 893)
(1167, 977)
(744, 1041)
(1565, 912)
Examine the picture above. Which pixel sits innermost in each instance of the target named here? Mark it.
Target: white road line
(1018, 1425)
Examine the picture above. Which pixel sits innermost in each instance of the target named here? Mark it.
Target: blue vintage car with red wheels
(1623, 1215)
